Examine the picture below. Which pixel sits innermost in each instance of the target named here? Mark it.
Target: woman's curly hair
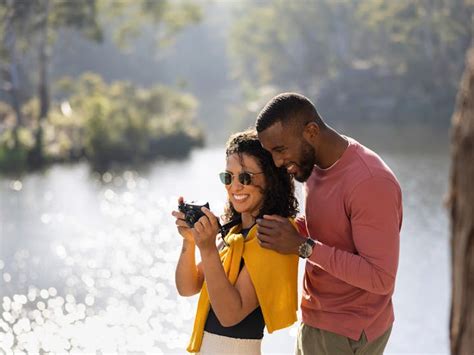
(279, 193)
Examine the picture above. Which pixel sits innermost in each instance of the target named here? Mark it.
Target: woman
(247, 287)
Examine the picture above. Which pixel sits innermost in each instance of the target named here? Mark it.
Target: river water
(87, 260)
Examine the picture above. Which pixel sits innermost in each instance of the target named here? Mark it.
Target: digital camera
(192, 212)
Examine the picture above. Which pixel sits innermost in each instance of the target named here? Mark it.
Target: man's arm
(375, 209)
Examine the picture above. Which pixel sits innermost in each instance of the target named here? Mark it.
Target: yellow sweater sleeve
(230, 259)
(274, 277)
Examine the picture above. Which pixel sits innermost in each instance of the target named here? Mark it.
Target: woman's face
(245, 198)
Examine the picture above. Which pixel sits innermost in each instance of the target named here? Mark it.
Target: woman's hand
(181, 224)
(205, 231)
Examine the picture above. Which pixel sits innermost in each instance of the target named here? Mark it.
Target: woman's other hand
(181, 224)
(205, 231)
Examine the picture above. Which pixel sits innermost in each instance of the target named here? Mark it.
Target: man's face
(289, 149)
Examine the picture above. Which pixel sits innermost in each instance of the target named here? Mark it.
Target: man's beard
(307, 162)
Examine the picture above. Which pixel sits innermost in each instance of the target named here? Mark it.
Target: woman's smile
(240, 197)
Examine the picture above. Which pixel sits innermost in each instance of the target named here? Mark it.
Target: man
(351, 228)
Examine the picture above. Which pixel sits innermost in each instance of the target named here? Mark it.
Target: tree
(13, 16)
(415, 41)
(31, 26)
(462, 216)
(50, 16)
(293, 44)
(367, 58)
(37, 25)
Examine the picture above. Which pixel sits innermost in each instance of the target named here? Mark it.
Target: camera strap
(224, 229)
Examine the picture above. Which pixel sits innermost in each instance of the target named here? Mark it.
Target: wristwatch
(306, 248)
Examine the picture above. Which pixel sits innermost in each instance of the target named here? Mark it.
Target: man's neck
(333, 145)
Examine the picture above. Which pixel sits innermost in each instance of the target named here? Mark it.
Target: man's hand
(277, 233)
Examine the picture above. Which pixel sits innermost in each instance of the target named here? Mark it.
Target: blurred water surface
(87, 260)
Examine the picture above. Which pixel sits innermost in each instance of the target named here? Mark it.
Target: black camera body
(192, 212)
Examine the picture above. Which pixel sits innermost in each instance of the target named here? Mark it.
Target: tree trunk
(36, 157)
(462, 216)
(12, 74)
(43, 86)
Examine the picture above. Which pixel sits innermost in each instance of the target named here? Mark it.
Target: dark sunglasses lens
(226, 178)
(245, 178)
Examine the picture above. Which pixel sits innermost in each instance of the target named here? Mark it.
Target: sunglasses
(245, 178)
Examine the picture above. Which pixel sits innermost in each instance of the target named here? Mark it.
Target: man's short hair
(288, 108)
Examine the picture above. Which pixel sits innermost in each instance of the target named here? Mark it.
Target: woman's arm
(189, 276)
(231, 303)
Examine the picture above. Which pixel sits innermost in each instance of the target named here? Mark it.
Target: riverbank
(103, 124)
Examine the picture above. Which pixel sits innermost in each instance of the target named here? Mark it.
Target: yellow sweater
(274, 277)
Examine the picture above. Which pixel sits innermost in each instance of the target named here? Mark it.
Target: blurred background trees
(29, 32)
(369, 61)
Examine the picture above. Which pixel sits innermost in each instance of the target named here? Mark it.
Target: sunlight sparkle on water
(117, 292)
(16, 185)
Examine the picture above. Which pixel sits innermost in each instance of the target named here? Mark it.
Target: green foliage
(121, 123)
(166, 18)
(375, 54)
(107, 122)
(291, 43)
(14, 148)
(81, 15)
(29, 18)
(104, 123)
(29, 28)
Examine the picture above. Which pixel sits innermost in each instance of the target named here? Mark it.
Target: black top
(251, 327)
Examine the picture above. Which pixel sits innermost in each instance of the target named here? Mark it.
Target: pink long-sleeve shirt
(354, 213)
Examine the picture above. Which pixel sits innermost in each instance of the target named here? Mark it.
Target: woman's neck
(247, 220)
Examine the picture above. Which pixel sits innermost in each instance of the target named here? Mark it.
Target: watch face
(305, 250)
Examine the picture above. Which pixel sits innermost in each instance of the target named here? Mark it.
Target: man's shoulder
(374, 181)
(371, 165)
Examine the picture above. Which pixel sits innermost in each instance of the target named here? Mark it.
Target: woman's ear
(311, 131)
